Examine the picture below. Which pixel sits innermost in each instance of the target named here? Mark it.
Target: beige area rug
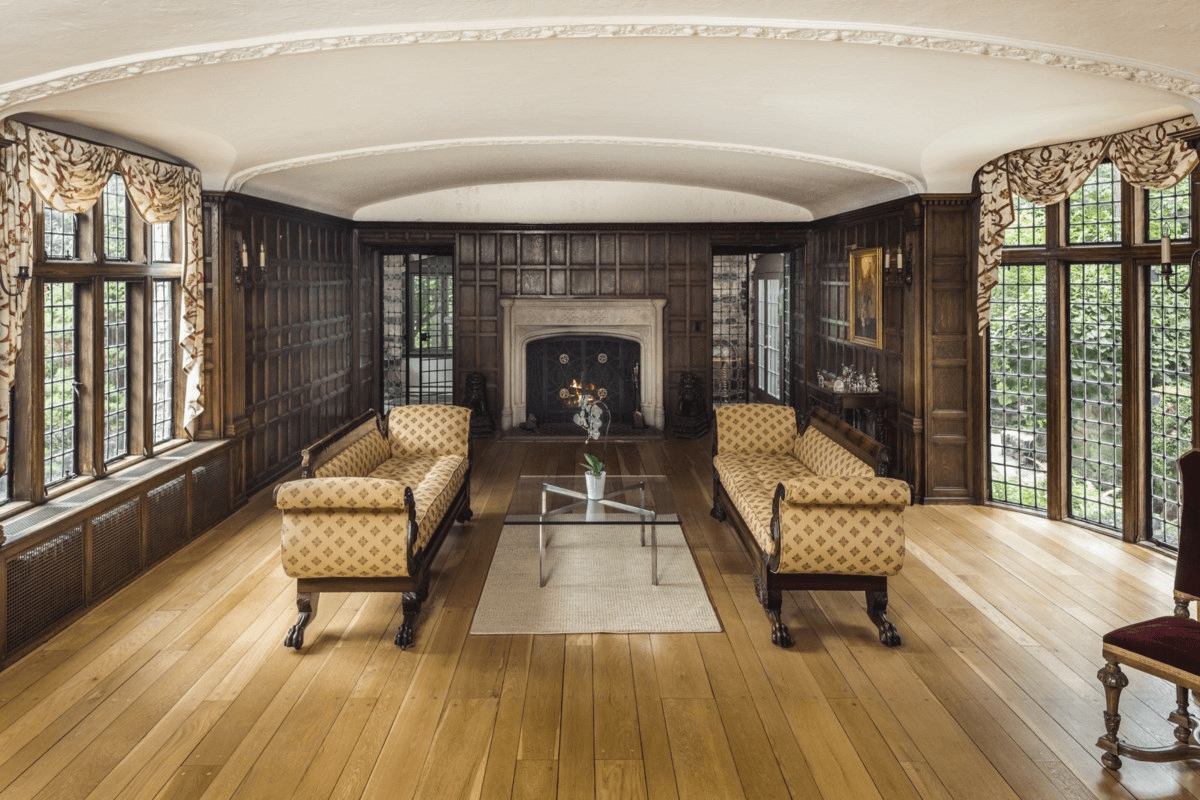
(597, 581)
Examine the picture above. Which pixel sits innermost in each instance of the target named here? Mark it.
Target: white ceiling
(624, 110)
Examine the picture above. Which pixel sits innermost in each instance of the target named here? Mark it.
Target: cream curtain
(1146, 157)
(16, 224)
(69, 175)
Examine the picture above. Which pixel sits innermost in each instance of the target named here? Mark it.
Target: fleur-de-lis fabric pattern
(426, 430)
(843, 526)
(823, 456)
(756, 428)
(750, 481)
(351, 521)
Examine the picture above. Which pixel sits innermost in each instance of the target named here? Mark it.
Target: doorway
(418, 329)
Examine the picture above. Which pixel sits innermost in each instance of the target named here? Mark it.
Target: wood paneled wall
(928, 331)
(627, 261)
(298, 359)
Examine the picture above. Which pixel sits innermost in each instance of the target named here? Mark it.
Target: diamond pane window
(59, 382)
(160, 243)
(1095, 208)
(1094, 324)
(116, 370)
(1018, 388)
(1169, 212)
(1170, 405)
(1029, 224)
(164, 360)
(116, 219)
(60, 235)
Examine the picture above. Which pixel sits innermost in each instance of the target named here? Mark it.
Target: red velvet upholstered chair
(1165, 647)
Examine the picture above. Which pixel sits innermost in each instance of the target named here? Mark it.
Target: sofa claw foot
(306, 605)
(405, 636)
(465, 515)
(889, 636)
(781, 636)
(294, 638)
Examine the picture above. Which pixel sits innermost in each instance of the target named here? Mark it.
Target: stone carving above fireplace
(529, 318)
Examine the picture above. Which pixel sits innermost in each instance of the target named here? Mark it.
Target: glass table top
(566, 501)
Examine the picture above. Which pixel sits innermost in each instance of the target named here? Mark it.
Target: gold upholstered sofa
(811, 508)
(372, 506)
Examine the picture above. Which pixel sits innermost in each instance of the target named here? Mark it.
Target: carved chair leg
(877, 602)
(306, 604)
(412, 607)
(1114, 681)
(772, 603)
(1185, 723)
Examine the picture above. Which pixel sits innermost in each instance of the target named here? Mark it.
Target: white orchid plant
(594, 417)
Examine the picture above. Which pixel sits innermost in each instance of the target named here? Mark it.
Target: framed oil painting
(866, 287)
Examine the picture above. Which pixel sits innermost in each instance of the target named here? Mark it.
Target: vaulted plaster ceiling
(623, 110)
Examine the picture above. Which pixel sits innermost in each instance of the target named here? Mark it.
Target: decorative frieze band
(1092, 63)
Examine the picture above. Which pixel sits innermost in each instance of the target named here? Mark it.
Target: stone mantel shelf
(527, 319)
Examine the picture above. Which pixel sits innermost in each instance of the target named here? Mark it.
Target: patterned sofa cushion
(756, 428)
(750, 481)
(824, 456)
(429, 430)
(842, 539)
(368, 450)
(357, 527)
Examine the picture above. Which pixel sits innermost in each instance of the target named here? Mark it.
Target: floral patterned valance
(1146, 157)
(69, 175)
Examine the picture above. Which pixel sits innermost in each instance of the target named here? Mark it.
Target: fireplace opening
(609, 363)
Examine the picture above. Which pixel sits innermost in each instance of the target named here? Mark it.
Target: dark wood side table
(870, 412)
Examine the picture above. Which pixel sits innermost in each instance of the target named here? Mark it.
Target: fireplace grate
(609, 363)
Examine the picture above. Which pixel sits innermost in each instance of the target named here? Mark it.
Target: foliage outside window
(1169, 212)
(1094, 319)
(1090, 317)
(60, 379)
(1095, 208)
(1018, 397)
(116, 370)
(1028, 228)
(116, 219)
(1170, 387)
(60, 235)
(164, 361)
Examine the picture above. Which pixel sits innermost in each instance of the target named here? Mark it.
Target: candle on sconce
(262, 255)
(887, 260)
(245, 257)
(899, 260)
(1166, 250)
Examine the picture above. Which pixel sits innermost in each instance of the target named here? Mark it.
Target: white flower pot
(595, 485)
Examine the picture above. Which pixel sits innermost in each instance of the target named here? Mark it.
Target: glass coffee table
(546, 500)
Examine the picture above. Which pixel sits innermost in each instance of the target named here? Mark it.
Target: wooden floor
(179, 686)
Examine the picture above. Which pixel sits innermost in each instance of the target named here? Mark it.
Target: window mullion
(90, 397)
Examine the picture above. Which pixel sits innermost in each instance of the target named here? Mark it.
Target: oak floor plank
(704, 766)
(993, 693)
(498, 780)
(459, 753)
(576, 759)
(543, 700)
(657, 766)
(616, 730)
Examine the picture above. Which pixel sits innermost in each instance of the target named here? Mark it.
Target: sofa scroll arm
(772, 559)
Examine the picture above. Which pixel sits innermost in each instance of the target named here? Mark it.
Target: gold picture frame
(866, 296)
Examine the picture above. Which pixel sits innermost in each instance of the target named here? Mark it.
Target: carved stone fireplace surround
(527, 319)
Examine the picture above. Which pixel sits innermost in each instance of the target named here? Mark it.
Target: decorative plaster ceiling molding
(1179, 83)
(240, 179)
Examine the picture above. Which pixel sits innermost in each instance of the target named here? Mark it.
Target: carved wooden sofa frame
(414, 585)
(769, 582)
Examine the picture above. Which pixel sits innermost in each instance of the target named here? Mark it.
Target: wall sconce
(898, 267)
(242, 275)
(1167, 272)
(22, 276)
